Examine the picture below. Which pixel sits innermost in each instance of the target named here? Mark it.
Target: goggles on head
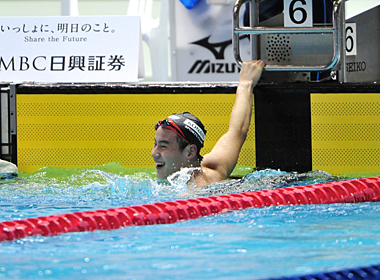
(168, 123)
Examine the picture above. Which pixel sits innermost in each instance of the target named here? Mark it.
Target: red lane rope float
(351, 191)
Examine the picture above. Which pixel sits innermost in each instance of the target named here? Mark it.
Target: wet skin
(166, 153)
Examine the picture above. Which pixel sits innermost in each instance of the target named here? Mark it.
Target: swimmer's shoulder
(204, 176)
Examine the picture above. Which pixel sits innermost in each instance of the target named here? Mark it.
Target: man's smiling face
(166, 153)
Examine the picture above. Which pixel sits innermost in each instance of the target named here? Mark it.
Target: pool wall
(295, 127)
(83, 126)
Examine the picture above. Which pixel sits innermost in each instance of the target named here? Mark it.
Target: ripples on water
(250, 244)
(54, 190)
(112, 180)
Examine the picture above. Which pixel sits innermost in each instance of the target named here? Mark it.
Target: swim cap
(187, 126)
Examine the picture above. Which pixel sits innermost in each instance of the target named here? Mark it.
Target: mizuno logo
(206, 67)
(209, 67)
(217, 49)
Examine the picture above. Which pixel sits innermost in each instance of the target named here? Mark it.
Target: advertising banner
(202, 40)
(71, 49)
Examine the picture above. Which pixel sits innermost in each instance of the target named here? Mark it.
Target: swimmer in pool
(179, 138)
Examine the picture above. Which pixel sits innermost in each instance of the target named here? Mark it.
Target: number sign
(351, 39)
(298, 13)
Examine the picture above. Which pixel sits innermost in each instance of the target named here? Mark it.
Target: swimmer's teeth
(159, 163)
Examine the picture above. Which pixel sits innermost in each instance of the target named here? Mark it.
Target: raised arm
(220, 162)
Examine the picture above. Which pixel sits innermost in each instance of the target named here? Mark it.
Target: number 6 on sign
(351, 39)
(298, 13)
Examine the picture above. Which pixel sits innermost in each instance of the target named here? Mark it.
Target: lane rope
(350, 191)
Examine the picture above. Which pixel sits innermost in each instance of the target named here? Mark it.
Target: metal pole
(255, 39)
(342, 38)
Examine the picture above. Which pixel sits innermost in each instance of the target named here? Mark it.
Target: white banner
(71, 49)
(203, 43)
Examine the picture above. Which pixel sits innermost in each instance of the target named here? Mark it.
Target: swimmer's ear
(192, 150)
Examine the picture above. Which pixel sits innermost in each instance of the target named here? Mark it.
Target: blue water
(254, 243)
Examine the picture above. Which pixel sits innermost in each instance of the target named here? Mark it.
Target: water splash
(113, 182)
(262, 180)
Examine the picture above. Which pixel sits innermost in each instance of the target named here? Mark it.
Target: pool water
(255, 243)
